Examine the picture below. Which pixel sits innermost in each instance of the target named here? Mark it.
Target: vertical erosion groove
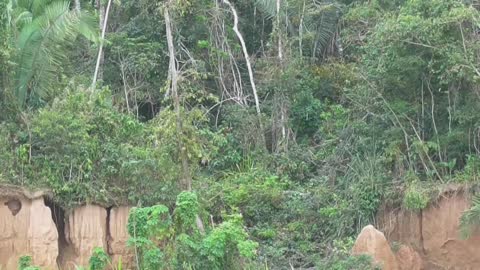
(58, 217)
(420, 225)
(108, 235)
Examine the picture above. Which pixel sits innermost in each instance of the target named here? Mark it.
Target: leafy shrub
(83, 148)
(256, 192)
(415, 198)
(25, 263)
(470, 172)
(99, 259)
(266, 233)
(164, 241)
(186, 211)
(146, 226)
(226, 242)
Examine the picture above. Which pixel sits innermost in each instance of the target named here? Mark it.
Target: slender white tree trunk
(300, 31)
(279, 34)
(247, 57)
(172, 74)
(104, 20)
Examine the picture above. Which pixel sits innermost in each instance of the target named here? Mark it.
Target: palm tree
(311, 24)
(43, 29)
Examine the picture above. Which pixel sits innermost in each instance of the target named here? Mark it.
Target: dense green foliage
(165, 242)
(361, 103)
(99, 260)
(25, 263)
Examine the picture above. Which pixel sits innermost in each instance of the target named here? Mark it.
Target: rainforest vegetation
(250, 134)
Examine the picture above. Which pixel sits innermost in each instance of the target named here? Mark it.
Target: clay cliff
(30, 224)
(31, 231)
(429, 239)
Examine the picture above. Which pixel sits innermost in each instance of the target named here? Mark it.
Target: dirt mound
(373, 243)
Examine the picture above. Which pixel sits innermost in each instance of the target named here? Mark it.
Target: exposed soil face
(31, 224)
(27, 231)
(434, 232)
(118, 236)
(85, 230)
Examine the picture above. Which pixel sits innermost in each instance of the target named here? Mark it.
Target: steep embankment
(432, 234)
(27, 228)
(31, 224)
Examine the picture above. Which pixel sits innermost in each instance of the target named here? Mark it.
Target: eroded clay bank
(429, 239)
(31, 224)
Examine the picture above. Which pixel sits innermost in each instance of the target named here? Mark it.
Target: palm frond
(320, 24)
(87, 27)
(269, 7)
(318, 18)
(23, 18)
(38, 6)
(42, 47)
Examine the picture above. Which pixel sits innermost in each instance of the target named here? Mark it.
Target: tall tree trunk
(249, 65)
(279, 32)
(186, 181)
(280, 144)
(98, 74)
(300, 31)
(172, 69)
